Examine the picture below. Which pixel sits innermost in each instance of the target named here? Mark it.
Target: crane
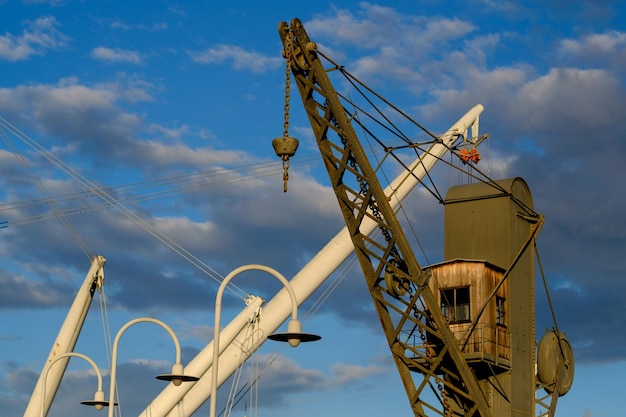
(451, 362)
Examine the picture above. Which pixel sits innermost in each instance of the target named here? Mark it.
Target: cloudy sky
(171, 108)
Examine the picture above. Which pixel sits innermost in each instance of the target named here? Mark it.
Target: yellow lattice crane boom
(463, 346)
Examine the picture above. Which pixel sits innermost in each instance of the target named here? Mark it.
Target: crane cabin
(485, 287)
(473, 299)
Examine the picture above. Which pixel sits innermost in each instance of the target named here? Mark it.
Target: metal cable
(545, 285)
(105, 196)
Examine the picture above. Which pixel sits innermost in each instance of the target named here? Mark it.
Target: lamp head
(294, 335)
(98, 401)
(177, 376)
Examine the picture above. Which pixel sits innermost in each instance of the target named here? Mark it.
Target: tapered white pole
(116, 341)
(218, 314)
(66, 340)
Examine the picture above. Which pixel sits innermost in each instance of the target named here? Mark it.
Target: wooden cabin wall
(487, 337)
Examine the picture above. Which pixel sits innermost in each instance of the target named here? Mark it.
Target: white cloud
(39, 36)
(575, 97)
(77, 96)
(286, 375)
(66, 103)
(605, 43)
(372, 27)
(172, 133)
(345, 27)
(182, 228)
(158, 153)
(412, 50)
(202, 332)
(116, 55)
(344, 373)
(240, 58)
(67, 93)
(596, 50)
(154, 27)
(18, 291)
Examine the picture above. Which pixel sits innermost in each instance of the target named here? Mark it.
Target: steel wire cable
(109, 199)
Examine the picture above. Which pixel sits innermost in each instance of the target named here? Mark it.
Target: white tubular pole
(171, 395)
(116, 341)
(315, 273)
(66, 340)
(218, 315)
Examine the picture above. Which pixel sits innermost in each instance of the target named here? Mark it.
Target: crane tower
(461, 332)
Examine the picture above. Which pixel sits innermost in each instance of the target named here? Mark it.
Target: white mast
(66, 339)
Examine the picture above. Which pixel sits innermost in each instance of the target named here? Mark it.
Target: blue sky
(172, 106)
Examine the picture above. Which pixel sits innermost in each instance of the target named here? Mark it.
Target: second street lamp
(293, 336)
(177, 376)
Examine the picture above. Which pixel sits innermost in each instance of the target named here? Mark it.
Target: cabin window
(455, 304)
(500, 311)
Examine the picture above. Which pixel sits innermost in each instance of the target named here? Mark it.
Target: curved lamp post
(293, 336)
(177, 376)
(98, 398)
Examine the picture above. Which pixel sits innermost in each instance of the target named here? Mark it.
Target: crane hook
(285, 147)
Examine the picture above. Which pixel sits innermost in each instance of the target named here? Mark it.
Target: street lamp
(98, 398)
(177, 376)
(293, 336)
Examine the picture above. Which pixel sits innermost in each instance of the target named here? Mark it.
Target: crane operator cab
(474, 303)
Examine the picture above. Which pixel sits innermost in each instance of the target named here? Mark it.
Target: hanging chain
(363, 191)
(440, 387)
(286, 146)
(288, 46)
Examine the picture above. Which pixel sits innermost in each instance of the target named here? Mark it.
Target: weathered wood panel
(483, 335)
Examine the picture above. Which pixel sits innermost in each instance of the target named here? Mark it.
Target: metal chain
(288, 47)
(446, 403)
(364, 188)
(429, 354)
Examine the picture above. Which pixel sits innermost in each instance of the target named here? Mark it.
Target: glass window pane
(455, 304)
